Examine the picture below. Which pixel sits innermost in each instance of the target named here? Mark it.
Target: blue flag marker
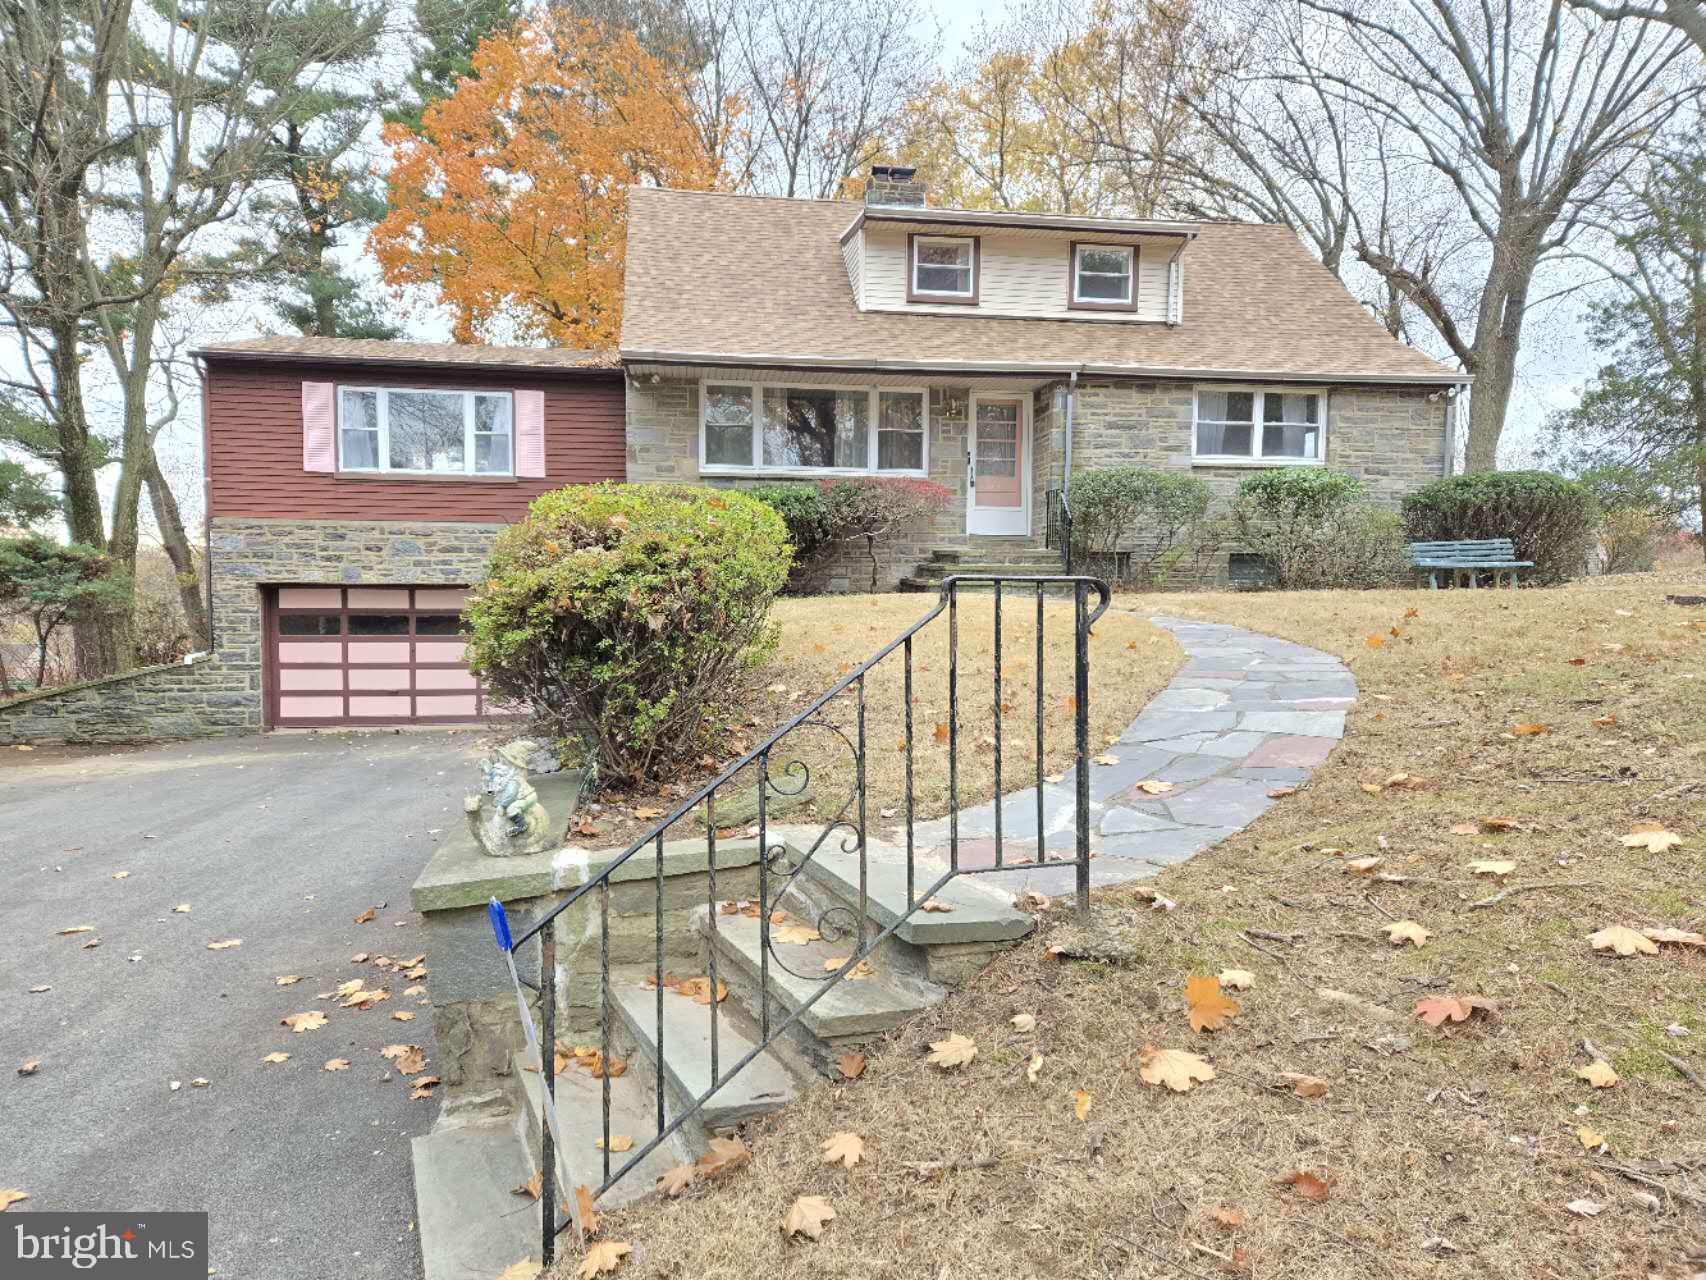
(500, 930)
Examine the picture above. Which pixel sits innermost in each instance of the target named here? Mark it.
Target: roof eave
(404, 362)
(714, 359)
(1064, 223)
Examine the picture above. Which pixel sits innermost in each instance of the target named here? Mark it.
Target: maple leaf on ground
(672, 1182)
(1598, 1073)
(1227, 1216)
(1308, 1185)
(287, 980)
(937, 906)
(1439, 1009)
(1081, 1102)
(807, 1216)
(367, 915)
(845, 1149)
(1362, 866)
(852, 1065)
(1024, 1021)
(700, 989)
(795, 935)
(1589, 1138)
(225, 945)
(311, 1020)
(723, 1155)
(1652, 837)
(1237, 979)
(603, 1258)
(526, 1269)
(619, 1142)
(588, 1214)
(1208, 1007)
(1527, 730)
(1499, 824)
(10, 1196)
(182, 909)
(532, 1189)
(1401, 931)
(276, 1057)
(955, 1051)
(1491, 867)
(1304, 1086)
(1105, 759)
(403, 1015)
(1623, 940)
(1153, 787)
(1175, 1068)
(30, 1068)
(335, 1064)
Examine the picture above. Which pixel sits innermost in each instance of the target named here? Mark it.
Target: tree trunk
(178, 549)
(1498, 341)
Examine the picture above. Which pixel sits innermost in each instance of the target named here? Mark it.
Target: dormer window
(1104, 277)
(942, 269)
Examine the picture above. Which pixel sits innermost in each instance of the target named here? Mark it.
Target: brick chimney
(894, 184)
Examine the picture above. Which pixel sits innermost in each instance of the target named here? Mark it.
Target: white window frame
(1256, 458)
(759, 467)
(971, 247)
(383, 395)
(1130, 251)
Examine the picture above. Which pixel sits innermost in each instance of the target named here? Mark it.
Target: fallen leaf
(672, 1182)
(10, 1197)
(1589, 1138)
(226, 945)
(276, 1057)
(793, 935)
(955, 1051)
(1034, 1067)
(603, 1257)
(941, 733)
(619, 1142)
(1585, 1208)
(1305, 1086)
(30, 1068)
(1436, 1010)
(808, 1216)
(1154, 787)
(1604, 722)
(1598, 1073)
(1652, 837)
(367, 915)
(1527, 730)
(1308, 1185)
(287, 980)
(312, 1020)
(1372, 788)
(532, 1189)
(423, 1087)
(937, 907)
(403, 1015)
(1280, 793)
(1208, 1007)
(1105, 759)
(845, 1149)
(1362, 866)
(182, 909)
(1178, 1070)
(1032, 901)
(334, 1064)
(1499, 824)
(1491, 867)
(1024, 1021)
(647, 813)
(1374, 641)
(1055, 778)
(1406, 782)
(77, 928)
(1623, 940)
(1227, 1216)
(1681, 937)
(1401, 931)
(1081, 1100)
(411, 1062)
(36, 991)
(852, 1065)
(1237, 979)
(723, 1155)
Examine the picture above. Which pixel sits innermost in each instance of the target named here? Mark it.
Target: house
(354, 487)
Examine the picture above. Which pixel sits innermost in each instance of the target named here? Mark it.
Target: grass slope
(1448, 1152)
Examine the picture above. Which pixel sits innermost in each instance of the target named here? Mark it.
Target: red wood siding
(254, 444)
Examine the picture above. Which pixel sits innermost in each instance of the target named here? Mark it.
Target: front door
(999, 492)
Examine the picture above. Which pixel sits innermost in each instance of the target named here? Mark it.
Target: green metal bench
(1463, 563)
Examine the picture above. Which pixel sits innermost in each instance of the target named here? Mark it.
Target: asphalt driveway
(280, 842)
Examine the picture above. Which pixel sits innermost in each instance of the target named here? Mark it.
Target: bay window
(426, 432)
(787, 429)
(1274, 425)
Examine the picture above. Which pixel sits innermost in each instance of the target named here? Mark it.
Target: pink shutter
(319, 427)
(530, 433)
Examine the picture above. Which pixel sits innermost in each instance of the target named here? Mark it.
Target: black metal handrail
(855, 838)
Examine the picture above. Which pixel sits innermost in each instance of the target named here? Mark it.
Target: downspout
(206, 505)
(1451, 431)
(1174, 320)
(1066, 475)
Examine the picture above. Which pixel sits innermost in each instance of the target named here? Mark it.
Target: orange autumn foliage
(512, 199)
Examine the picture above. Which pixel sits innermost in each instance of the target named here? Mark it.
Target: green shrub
(804, 511)
(1315, 531)
(1549, 518)
(623, 615)
(1165, 512)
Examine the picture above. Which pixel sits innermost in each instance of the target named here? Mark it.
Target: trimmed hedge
(624, 614)
(1315, 530)
(1166, 511)
(1551, 519)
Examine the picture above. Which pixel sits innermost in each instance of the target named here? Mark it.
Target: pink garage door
(370, 655)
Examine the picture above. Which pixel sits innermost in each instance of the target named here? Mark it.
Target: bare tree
(1688, 16)
(1507, 125)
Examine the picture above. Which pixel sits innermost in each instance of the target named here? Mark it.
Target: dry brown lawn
(822, 639)
(1445, 1152)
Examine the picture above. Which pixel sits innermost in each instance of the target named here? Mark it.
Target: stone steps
(467, 1214)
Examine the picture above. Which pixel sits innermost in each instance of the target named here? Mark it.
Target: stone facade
(663, 445)
(222, 693)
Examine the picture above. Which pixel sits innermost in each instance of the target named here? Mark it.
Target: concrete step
(851, 1010)
(470, 1223)
(995, 555)
(633, 1113)
(937, 570)
(921, 581)
(978, 914)
(762, 1086)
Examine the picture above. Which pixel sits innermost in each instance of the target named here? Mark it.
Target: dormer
(904, 256)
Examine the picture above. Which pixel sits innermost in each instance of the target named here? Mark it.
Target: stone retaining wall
(200, 699)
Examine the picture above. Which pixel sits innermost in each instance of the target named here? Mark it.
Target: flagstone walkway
(1246, 713)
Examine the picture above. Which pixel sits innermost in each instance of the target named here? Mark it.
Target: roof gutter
(408, 362)
(1186, 231)
(1042, 368)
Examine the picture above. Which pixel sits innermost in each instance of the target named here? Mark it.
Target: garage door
(369, 655)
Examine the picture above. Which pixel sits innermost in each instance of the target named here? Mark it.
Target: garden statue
(505, 815)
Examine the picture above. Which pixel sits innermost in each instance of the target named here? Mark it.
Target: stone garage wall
(222, 693)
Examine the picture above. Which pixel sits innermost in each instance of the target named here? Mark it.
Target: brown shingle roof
(755, 279)
(382, 351)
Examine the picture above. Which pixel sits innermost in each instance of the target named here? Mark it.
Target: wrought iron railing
(1057, 525)
(850, 819)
